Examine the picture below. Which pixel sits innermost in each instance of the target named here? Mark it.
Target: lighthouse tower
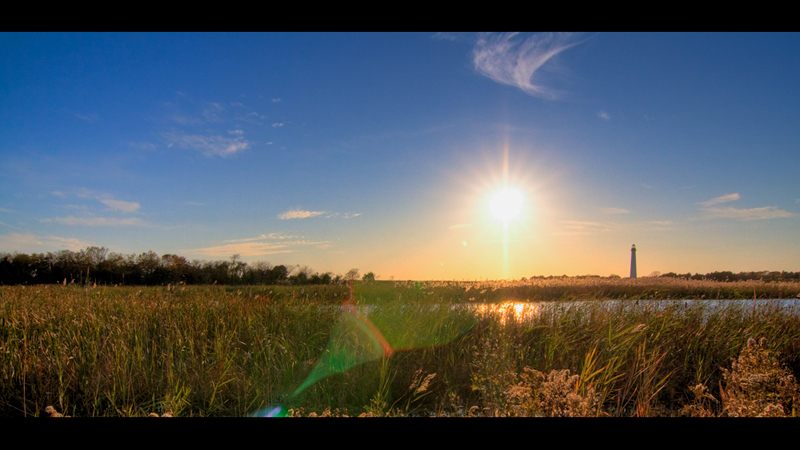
(633, 261)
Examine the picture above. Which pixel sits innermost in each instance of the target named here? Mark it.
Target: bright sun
(506, 204)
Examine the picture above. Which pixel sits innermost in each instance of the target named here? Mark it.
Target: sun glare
(506, 204)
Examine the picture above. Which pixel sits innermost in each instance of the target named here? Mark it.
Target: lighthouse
(633, 261)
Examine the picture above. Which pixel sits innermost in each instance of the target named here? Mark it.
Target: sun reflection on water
(519, 311)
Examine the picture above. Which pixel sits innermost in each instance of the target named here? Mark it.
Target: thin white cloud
(212, 112)
(10, 226)
(100, 221)
(603, 115)
(208, 145)
(277, 125)
(514, 62)
(121, 205)
(31, 242)
(254, 248)
(276, 100)
(721, 199)
(18, 240)
(278, 236)
(244, 249)
(578, 227)
(299, 214)
(614, 211)
(88, 117)
(73, 244)
(102, 197)
(342, 215)
(766, 212)
(6, 210)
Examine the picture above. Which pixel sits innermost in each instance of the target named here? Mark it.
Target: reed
(220, 351)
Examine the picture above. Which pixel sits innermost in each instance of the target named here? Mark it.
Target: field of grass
(231, 351)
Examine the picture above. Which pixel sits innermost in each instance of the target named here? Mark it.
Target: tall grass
(220, 351)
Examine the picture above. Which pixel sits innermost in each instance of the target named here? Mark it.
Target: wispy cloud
(342, 215)
(6, 210)
(578, 228)
(252, 117)
(278, 236)
(508, 60)
(10, 226)
(244, 249)
(299, 214)
(603, 115)
(101, 221)
(277, 125)
(250, 248)
(102, 197)
(208, 145)
(120, 205)
(766, 212)
(30, 242)
(276, 100)
(91, 118)
(612, 210)
(212, 112)
(73, 244)
(721, 199)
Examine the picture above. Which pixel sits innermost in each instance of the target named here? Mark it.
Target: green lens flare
(374, 324)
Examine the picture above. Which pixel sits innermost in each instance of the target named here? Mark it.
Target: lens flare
(272, 411)
(377, 330)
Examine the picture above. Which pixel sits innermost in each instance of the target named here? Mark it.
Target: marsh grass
(222, 351)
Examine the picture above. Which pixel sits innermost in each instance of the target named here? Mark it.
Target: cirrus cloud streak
(507, 60)
(766, 212)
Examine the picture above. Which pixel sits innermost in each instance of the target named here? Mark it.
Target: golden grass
(220, 351)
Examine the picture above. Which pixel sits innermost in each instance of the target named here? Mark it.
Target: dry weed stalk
(553, 395)
(700, 407)
(757, 386)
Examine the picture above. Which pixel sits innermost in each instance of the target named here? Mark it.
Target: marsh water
(522, 311)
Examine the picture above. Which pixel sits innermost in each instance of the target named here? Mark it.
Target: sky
(383, 152)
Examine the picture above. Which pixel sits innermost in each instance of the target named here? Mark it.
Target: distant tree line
(741, 276)
(95, 265)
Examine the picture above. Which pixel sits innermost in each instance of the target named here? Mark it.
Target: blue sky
(381, 151)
